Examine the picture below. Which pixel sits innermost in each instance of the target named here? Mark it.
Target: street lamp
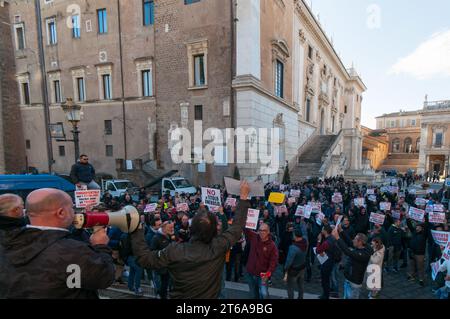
(73, 115)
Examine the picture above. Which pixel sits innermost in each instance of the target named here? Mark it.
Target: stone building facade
(375, 147)
(141, 69)
(12, 148)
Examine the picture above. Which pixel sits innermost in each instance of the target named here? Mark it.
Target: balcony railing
(436, 105)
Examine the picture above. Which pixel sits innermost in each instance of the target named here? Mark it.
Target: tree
(236, 174)
(286, 176)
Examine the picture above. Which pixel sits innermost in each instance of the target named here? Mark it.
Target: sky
(400, 48)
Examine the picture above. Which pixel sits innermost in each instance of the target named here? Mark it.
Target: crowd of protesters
(284, 240)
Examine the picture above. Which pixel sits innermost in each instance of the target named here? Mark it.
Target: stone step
(403, 156)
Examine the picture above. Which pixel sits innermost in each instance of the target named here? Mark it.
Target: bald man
(11, 212)
(42, 261)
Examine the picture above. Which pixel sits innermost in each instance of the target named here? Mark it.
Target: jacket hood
(22, 245)
(9, 223)
(302, 245)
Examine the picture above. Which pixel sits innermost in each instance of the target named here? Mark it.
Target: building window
(147, 89)
(102, 21)
(438, 139)
(190, 1)
(396, 146)
(149, 12)
(198, 113)
(332, 123)
(310, 52)
(20, 36)
(418, 145)
(108, 127)
(199, 70)
(279, 77)
(76, 30)
(106, 82)
(392, 124)
(62, 151)
(81, 90)
(25, 93)
(28, 144)
(408, 145)
(56, 91)
(345, 109)
(308, 110)
(413, 122)
(52, 37)
(109, 151)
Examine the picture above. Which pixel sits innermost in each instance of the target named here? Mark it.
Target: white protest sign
(370, 191)
(337, 198)
(412, 191)
(421, 201)
(447, 182)
(316, 207)
(230, 202)
(211, 198)
(308, 211)
(438, 208)
(384, 189)
(319, 218)
(393, 189)
(233, 187)
(359, 201)
(446, 252)
(252, 219)
(429, 208)
(295, 193)
(282, 187)
(385, 206)
(373, 198)
(182, 207)
(417, 214)
(81, 187)
(396, 214)
(435, 269)
(150, 208)
(377, 218)
(339, 220)
(87, 198)
(436, 218)
(440, 237)
(300, 211)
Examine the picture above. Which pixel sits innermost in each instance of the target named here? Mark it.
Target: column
(423, 159)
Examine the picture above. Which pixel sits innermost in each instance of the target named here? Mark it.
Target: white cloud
(431, 59)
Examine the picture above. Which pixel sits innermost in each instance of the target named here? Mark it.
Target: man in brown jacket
(196, 267)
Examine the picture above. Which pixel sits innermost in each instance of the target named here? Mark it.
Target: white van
(177, 185)
(118, 187)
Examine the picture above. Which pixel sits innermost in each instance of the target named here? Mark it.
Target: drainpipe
(44, 85)
(124, 119)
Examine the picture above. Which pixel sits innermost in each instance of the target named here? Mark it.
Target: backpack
(125, 249)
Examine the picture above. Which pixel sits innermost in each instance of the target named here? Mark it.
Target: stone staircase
(310, 159)
(401, 162)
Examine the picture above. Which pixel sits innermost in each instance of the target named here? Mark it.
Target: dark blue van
(22, 185)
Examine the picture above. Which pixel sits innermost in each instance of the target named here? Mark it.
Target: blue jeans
(258, 288)
(134, 278)
(351, 291)
(335, 279)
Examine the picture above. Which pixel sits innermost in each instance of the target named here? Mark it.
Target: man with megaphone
(41, 260)
(196, 266)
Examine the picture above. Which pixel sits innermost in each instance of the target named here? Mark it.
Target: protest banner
(393, 189)
(150, 208)
(211, 197)
(315, 206)
(429, 209)
(307, 211)
(396, 214)
(385, 206)
(373, 198)
(182, 207)
(252, 219)
(291, 200)
(446, 252)
(300, 211)
(435, 269)
(436, 218)
(319, 218)
(377, 218)
(370, 191)
(87, 198)
(417, 214)
(230, 202)
(420, 201)
(438, 208)
(440, 237)
(295, 193)
(337, 198)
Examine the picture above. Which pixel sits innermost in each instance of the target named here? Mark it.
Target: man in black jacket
(83, 173)
(359, 258)
(196, 267)
(417, 246)
(42, 261)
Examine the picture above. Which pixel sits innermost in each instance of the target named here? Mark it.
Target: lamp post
(73, 115)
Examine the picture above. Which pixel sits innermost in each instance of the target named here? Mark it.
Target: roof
(22, 182)
(401, 113)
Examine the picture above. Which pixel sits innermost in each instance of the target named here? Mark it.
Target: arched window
(418, 145)
(396, 146)
(408, 145)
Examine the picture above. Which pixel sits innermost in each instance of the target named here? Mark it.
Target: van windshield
(124, 185)
(181, 183)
